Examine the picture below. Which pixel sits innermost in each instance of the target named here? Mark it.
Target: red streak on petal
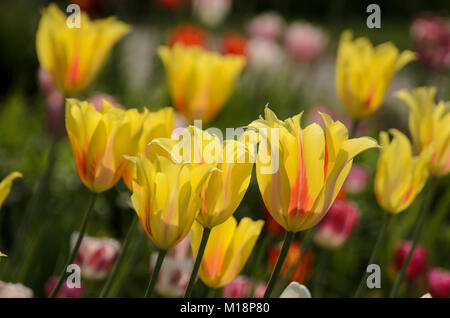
(73, 74)
(299, 194)
(408, 194)
(369, 99)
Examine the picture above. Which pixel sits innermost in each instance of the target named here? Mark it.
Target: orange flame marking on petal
(300, 200)
(73, 74)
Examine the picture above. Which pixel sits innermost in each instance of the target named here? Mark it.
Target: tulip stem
(415, 236)
(288, 238)
(354, 128)
(152, 282)
(286, 277)
(198, 260)
(112, 275)
(62, 276)
(375, 250)
(39, 197)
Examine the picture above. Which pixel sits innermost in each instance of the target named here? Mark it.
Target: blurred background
(291, 50)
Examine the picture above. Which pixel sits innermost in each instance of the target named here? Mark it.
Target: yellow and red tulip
(313, 165)
(100, 140)
(74, 56)
(167, 197)
(429, 125)
(157, 124)
(225, 189)
(364, 72)
(400, 176)
(200, 81)
(228, 248)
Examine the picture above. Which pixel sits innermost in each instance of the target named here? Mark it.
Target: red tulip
(337, 225)
(439, 282)
(65, 291)
(418, 262)
(188, 35)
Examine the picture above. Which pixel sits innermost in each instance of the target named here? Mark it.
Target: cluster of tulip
(197, 194)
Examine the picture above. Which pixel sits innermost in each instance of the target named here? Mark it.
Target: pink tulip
(238, 288)
(357, 179)
(10, 290)
(418, 262)
(174, 275)
(97, 100)
(54, 100)
(96, 256)
(337, 225)
(267, 25)
(304, 41)
(431, 40)
(65, 291)
(439, 282)
(260, 289)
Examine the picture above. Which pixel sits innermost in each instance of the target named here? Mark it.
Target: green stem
(39, 197)
(375, 250)
(289, 237)
(286, 277)
(198, 260)
(152, 282)
(72, 256)
(354, 128)
(211, 293)
(415, 237)
(112, 275)
(129, 264)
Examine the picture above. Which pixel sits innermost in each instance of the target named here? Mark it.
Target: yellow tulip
(74, 56)
(167, 197)
(225, 189)
(157, 124)
(313, 165)
(200, 81)
(5, 188)
(6, 184)
(100, 140)
(429, 125)
(363, 73)
(400, 175)
(228, 248)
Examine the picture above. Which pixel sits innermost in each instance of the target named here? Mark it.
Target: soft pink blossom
(96, 256)
(304, 42)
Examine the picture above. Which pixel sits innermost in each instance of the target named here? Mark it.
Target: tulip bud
(295, 290)
(65, 291)
(10, 290)
(439, 282)
(96, 256)
(418, 263)
(337, 225)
